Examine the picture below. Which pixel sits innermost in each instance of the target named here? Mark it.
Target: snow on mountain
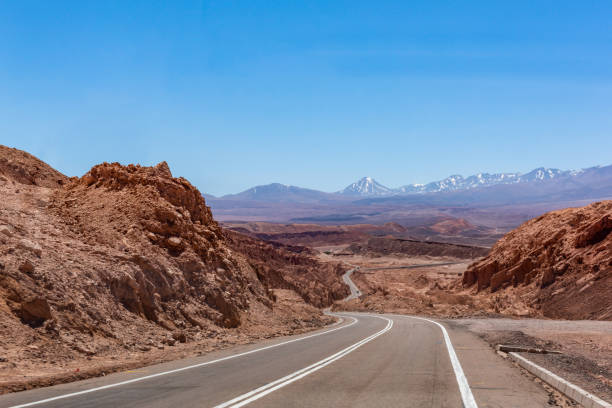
(367, 187)
(457, 182)
(543, 174)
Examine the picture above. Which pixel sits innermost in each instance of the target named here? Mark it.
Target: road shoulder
(494, 381)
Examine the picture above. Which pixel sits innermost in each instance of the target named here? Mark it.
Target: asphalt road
(366, 361)
(355, 292)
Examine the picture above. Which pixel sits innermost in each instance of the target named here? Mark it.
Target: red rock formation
(174, 251)
(560, 263)
(127, 257)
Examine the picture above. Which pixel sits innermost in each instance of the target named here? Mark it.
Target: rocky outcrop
(35, 311)
(127, 258)
(559, 263)
(172, 249)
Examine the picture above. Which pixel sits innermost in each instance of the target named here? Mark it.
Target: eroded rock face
(135, 240)
(560, 263)
(129, 259)
(173, 248)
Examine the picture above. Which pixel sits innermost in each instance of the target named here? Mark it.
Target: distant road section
(355, 292)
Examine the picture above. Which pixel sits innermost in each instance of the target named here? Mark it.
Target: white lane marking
(147, 377)
(262, 391)
(466, 393)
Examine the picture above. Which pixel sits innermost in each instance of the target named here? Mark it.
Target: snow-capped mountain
(367, 201)
(367, 187)
(458, 182)
(542, 173)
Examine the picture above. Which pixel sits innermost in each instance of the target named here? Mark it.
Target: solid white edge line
(264, 390)
(147, 377)
(464, 387)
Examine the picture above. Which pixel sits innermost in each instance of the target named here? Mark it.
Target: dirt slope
(128, 260)
(559, 264)
(24, 168)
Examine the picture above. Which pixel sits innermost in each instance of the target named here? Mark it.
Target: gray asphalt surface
(355, 292)
(408, 365)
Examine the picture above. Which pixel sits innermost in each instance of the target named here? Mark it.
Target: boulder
(35, 311)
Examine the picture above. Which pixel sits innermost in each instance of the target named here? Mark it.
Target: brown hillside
(559, 263)
(127, 261)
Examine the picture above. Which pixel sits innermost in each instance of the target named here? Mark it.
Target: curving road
(365, 361)
(355, 292)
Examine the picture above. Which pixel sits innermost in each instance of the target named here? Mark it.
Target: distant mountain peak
(280, 193)
(367, 187)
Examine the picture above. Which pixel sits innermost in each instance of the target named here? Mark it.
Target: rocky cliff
(128, 259)
(559, 264)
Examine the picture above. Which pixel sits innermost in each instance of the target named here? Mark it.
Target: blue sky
(312, 93)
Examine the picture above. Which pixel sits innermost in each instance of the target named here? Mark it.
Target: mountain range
(458, 182)
(499, 199)
(369, 187)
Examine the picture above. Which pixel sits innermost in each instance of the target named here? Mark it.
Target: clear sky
(311, 93)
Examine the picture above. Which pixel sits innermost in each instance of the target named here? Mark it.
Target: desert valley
(127, 266)
(305, 204)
